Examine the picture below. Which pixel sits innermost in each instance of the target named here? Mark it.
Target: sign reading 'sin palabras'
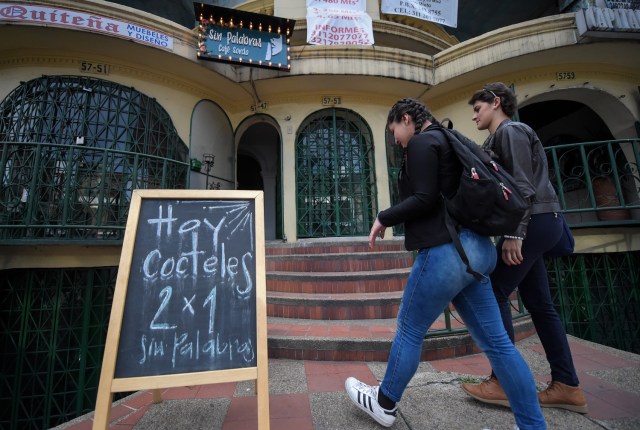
(191, 302)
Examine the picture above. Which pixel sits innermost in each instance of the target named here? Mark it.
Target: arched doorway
(213, 147)
(249, 173)
(591, 158)
(258, 168)
(335, 175)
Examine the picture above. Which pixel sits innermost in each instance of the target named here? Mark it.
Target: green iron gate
(53, 325)
(598, 297)
(335, 175)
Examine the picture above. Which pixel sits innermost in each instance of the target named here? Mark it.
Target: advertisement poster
(338, 22)
(443, 12)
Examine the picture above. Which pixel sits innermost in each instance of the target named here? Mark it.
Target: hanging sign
(443, 12)
(246, 38)
(628, 4)
(338, 22)
(245, 46)
(60, 17)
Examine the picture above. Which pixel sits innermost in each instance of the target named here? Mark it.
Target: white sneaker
(366, 398)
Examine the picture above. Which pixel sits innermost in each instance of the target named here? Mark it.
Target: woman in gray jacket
(517, 148)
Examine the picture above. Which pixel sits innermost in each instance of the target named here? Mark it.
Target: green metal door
(335, 175)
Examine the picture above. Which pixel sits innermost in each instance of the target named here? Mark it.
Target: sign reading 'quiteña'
(60, 17)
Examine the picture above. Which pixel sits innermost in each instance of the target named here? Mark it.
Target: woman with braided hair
(430, 170)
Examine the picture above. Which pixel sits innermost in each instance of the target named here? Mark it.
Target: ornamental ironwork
(73, 149)
(335, 175)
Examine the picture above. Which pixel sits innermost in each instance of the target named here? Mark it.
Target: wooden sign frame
(109, 384)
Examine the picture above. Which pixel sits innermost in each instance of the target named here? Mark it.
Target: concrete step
(368, 340)
(333, 245)
(339, 262)
(350, 306)
(338, 300)
(371, 281)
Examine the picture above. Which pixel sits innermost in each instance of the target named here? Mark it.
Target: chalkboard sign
(192, 283)
(189, 306)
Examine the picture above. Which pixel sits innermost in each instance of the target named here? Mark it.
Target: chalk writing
(191, 293)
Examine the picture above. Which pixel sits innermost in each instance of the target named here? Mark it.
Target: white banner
(338, 22)
(439, 11)
(346, 28)
(60, 17)
(352, 5)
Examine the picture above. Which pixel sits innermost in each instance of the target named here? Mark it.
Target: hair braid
(418, 112)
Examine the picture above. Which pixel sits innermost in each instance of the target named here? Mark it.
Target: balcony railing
(597, 182)
(71, 192)
(53, 192)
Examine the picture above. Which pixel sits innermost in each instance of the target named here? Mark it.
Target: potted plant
(196, 165)
(604, 187)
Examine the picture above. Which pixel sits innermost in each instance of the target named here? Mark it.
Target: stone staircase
(338, 301)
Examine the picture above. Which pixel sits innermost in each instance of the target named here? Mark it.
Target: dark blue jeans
(530, 276)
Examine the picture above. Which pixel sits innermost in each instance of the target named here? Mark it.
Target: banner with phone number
(443, 12)
(338, 22)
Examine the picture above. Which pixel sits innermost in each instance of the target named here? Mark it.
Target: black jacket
(430, 170)
(518, 149)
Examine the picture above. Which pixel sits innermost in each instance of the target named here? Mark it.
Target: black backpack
(487, 201)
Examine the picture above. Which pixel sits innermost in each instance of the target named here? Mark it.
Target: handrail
(52, 192)
(598, 183)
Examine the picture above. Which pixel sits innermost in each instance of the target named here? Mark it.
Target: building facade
(99, 98)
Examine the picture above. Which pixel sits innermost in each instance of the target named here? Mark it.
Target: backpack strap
(455, 237)
(452, 226)
(448, 122)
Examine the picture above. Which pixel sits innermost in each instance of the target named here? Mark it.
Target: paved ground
(310, 395)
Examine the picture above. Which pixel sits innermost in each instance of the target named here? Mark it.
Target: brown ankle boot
(488, 391)
(559, 395)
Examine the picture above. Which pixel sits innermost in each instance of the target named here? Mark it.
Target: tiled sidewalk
(310, 395)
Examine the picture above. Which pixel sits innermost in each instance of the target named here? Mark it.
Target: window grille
(73, 149)
(335, 175)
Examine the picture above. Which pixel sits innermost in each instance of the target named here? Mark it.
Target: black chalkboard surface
(191, 303)
(189, 306)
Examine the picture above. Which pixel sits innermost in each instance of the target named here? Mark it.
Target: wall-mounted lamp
(209, 161)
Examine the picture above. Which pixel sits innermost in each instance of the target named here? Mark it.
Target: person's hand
(377, 230)
(512, 252)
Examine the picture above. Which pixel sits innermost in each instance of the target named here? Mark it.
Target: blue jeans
(543, 233)
(438, 277)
